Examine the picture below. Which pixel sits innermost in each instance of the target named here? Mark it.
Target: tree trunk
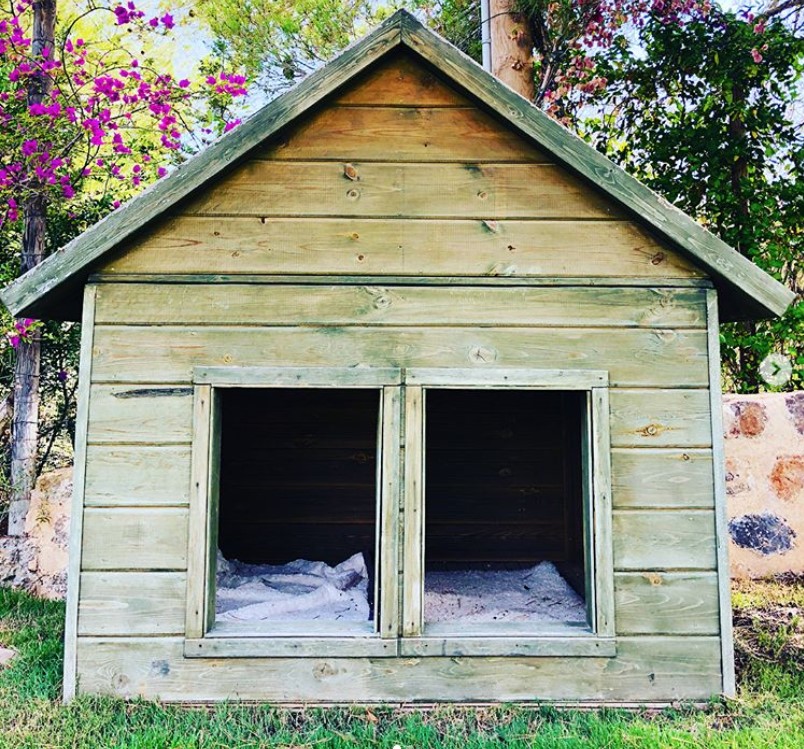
(511, 48)
(25, 424)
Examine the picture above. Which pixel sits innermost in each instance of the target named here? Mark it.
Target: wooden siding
(167, 354)
(400, 176)
(140, 435)
(646, 669)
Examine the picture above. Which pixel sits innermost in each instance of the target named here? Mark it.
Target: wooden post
(25, 423)
(511, 48)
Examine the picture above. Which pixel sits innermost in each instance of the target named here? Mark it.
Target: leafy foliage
(703, 113)
(107, 121)
(280, 41)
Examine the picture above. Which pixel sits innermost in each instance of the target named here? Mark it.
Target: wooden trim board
(721, 511)
(77, 505)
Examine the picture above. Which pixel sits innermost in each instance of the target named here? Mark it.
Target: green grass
(769, 711)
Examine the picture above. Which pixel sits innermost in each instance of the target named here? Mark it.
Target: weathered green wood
(300, 646)
(400, 80)
(587, 489)
(660, 418)
(132, 603)
(313, 280)
(601, 511)
(634, 357)
(414, 133)
(646, 669)
(496, 377)
(122, 414)
(483, 191)
(664, 540)
(135, 539)
(79, 486)
(199, 551)
(137, 475)
(390, 480)
(758, 292)
(658, 477)
(721, 509)
(297, 304)
(677, 603)
(387, 247)
(76, 256)
(456, 647)
(314, 377)
(213, 510)
(413, 515)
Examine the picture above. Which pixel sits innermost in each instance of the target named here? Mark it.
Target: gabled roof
(53, 288)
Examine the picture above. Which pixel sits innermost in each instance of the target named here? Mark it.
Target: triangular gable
(52, 289)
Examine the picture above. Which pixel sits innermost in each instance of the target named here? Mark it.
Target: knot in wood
(350, 172)
(651, 430)
(482, 355)
(323, 670)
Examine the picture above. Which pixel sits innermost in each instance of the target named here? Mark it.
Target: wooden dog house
(400, 313)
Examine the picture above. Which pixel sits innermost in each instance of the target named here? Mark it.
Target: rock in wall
(37, 561)
(765, 482)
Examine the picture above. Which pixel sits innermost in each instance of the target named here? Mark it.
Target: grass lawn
(769, 711)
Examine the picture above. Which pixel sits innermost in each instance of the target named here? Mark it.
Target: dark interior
(298, 474)
(503, 480)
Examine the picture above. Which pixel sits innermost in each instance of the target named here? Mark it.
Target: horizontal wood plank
(660, 418)
(285, 647)
(135, 539)
(568, 647)
(465, 247)
(664, 540)
(646, 669)
(190, 304)
(477, 190)
(131, 414)
(418, 134)
(138, 475)
(132, 603)
(633, 357)
(649, 603)
(661, 478)
(400, 80)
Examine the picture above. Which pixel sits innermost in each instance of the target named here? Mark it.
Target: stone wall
(37, 561)
(765, 482)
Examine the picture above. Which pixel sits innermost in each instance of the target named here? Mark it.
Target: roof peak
(748, 291)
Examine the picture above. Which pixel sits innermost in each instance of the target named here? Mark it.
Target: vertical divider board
(211, 546)
(77, 505)
(587, 489)
(413, 555)
(601, 512)
(721, 514)
(388, 537)
(200, 609)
